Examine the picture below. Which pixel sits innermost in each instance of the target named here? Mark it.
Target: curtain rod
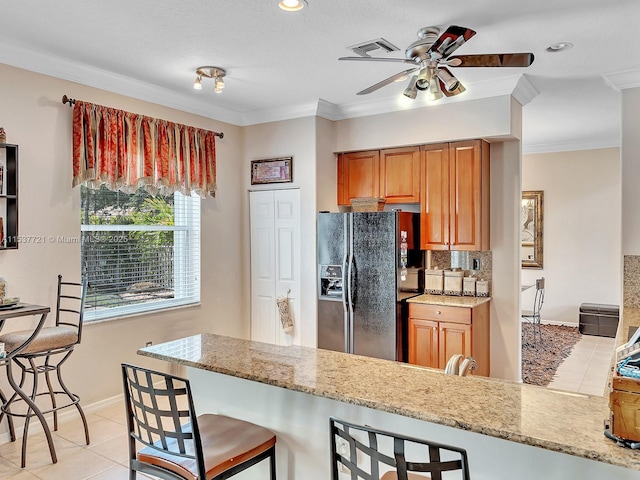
(72, 102)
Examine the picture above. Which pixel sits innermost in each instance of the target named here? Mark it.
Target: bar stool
(358, 449)
(533, 316)
(46, 353)
(180, 445)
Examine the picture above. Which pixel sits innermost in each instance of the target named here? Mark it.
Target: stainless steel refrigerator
(366, 268)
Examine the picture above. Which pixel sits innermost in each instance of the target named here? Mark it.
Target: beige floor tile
(37, 450)
(118, 472)
(115, 413)
(79, 466)
(564, 386)
(591, 390)
(115, 449)
(22, 475)
(8, 469)
(100, 430)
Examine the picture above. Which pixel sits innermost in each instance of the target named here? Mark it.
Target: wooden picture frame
(531, 250)
(272, 170)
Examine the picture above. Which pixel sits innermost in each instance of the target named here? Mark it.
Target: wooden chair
(533, 316)
(47, 353)
(180, 445)
(357, 449)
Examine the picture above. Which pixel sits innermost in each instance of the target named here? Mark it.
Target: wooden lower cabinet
(438, 332)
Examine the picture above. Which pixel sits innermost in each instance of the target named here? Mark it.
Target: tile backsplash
(464, 260)
(631, 295)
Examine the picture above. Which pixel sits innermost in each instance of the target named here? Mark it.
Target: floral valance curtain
(125, 151)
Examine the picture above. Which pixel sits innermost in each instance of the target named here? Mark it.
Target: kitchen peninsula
(509, 430)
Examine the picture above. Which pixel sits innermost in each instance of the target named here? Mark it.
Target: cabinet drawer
(440, 313)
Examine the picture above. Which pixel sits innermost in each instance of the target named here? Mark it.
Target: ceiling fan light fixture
(292, 5)
(448, 79)
(424, 79)
(435, 93)
(411, 91)
(197, 85)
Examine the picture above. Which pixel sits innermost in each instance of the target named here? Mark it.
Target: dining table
(20, 312)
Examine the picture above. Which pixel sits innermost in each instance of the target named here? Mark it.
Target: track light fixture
(216, 73)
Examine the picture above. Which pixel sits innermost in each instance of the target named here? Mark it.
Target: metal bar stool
(45, 354)
(180, 445)
(533, 316)
(360, 450)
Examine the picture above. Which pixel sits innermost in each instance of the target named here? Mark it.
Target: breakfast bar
(510, 430)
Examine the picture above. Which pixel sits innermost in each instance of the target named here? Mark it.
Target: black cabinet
(9, 196)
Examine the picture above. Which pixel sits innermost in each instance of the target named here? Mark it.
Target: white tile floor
(586, 370)
(104, 459)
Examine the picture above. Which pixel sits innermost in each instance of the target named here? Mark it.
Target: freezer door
(333, 325)
(373, 281)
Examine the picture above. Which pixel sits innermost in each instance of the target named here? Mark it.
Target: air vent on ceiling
(364, 48)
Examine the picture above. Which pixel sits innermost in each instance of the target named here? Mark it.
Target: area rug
(539, 364)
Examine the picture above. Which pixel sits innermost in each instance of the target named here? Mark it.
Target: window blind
(139, 252)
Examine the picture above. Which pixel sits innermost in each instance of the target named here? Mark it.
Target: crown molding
(66, 69)
(524, 90)
(623, 80)
(582, 144)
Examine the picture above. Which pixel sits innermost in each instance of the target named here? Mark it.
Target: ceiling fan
(430, 55)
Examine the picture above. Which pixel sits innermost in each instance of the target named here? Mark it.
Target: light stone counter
(529, 415)
(451, 301)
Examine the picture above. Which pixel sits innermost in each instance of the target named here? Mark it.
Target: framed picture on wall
(272, 170)
(532, 228)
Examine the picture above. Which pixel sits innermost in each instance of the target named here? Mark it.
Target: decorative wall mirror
(531, 229)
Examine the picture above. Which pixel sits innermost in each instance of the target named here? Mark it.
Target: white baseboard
(66, 415)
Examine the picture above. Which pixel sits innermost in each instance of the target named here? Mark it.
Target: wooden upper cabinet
(358, 175)
(400, 175)
(454, 206)
(392, 173)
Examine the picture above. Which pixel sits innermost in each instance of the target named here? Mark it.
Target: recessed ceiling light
(559, 47)
(292, 5)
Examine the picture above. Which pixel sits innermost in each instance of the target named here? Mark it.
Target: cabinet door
(469, 196)
(400, 175)
(453, 338)
(434, 202)
(358, 176)
(423, 342)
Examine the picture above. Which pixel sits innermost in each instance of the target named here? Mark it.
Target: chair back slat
(70, 304)
(434, 458)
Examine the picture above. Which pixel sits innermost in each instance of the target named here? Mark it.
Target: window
(139, 252)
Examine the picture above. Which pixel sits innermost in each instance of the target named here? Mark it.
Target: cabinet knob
(438, 312)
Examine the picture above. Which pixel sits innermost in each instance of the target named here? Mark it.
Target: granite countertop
(450, 301)
(559, 421)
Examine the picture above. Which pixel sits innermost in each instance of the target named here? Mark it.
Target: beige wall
(36, 120)
(630, 171)
(582, 229)
(297, 139)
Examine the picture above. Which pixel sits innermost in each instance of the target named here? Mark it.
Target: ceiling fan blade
(452, 39)
(492, 60)
(378, 59)
(386, 81)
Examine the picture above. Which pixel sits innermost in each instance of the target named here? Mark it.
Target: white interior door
(275, 262)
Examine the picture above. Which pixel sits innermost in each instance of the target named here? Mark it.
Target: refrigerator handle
(350, 289)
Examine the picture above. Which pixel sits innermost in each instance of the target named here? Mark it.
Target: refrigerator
(366, 269)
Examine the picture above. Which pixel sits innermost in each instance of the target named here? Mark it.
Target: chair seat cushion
(226, 442)
(410, 476)
(49, 338)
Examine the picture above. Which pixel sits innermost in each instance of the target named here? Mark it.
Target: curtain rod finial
(70, 101)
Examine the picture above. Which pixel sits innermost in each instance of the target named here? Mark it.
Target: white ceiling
(284, 65)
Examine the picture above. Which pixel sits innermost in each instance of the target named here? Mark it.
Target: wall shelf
(9, 196)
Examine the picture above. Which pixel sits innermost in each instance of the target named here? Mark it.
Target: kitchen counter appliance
(367, 265)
